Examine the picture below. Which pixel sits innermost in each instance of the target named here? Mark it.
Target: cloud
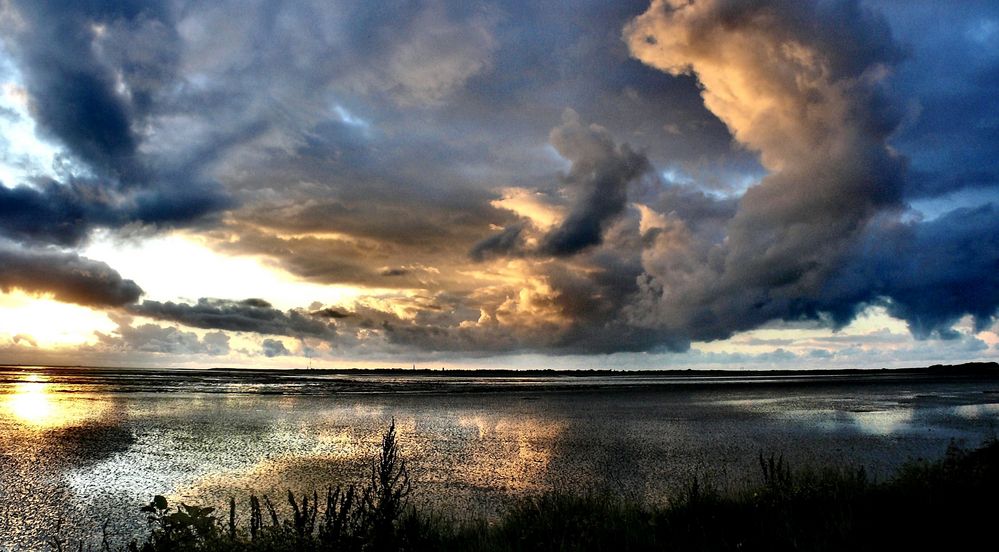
(27, 339)
(151, 338)
(250, 315)
(596, 182)
(67, 276)
(600, 173)
(92, 72)
(72, 92)
(949, 133)
(274, 347)
(726, 165)
(329, 313)
(505, 243)
(63, 213)
(800, 83)
(430, 57)
(929, 274)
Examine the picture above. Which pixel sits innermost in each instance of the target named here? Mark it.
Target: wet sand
(86, 445)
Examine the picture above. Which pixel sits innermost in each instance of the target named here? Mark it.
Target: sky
(484, 184)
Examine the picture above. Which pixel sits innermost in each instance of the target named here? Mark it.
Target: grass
(948, 504)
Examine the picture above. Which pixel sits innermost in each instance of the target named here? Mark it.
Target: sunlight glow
(48, 323)
(182, 267)
(531, 205)
(33, 403)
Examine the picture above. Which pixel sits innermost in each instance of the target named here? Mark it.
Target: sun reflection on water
(34, 403)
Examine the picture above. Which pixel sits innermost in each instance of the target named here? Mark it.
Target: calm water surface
(90, 447)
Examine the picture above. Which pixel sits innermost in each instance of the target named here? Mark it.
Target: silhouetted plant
(776, 474)
(343, 518)
(232, 519)
(389, 489)
(184, 528)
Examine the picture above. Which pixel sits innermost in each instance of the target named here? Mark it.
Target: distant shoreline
(964, 369)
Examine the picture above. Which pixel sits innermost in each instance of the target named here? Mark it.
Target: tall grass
(948, 504)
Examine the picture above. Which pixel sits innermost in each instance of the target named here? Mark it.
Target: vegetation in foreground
(944, 505)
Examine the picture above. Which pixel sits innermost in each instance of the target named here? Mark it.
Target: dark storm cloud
(505, 243)
(52, 212)
(568, 306)
(72, 92)
(251, 315)
(701, 213)
(811, 96)
(64, 213)
(92, 71)
(580, 61)
(67, 276)
(404, 152)
(929, 274)
(952, 127)
(597, 182)
(329, 313)
(599, 176)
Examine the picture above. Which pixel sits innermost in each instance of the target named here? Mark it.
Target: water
(90, 447)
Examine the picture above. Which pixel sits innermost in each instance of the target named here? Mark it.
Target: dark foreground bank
(948, 504)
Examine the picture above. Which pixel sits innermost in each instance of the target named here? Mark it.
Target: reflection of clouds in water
(875, 422)
(941, 420)
(512, 453)
(977, 411)
(448, 456)
(48, 427)
(863, 415)
(173, 461)
(882, 422)
(756, 404)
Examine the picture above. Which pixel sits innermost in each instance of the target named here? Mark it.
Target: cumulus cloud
(274, 347)
(597, 183)
(600, 173)
(789, 84)
(250, 315)
(26, 339)
(67, 276)
(152, 338)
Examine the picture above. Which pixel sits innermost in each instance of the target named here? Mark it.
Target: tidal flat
(83, 448)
